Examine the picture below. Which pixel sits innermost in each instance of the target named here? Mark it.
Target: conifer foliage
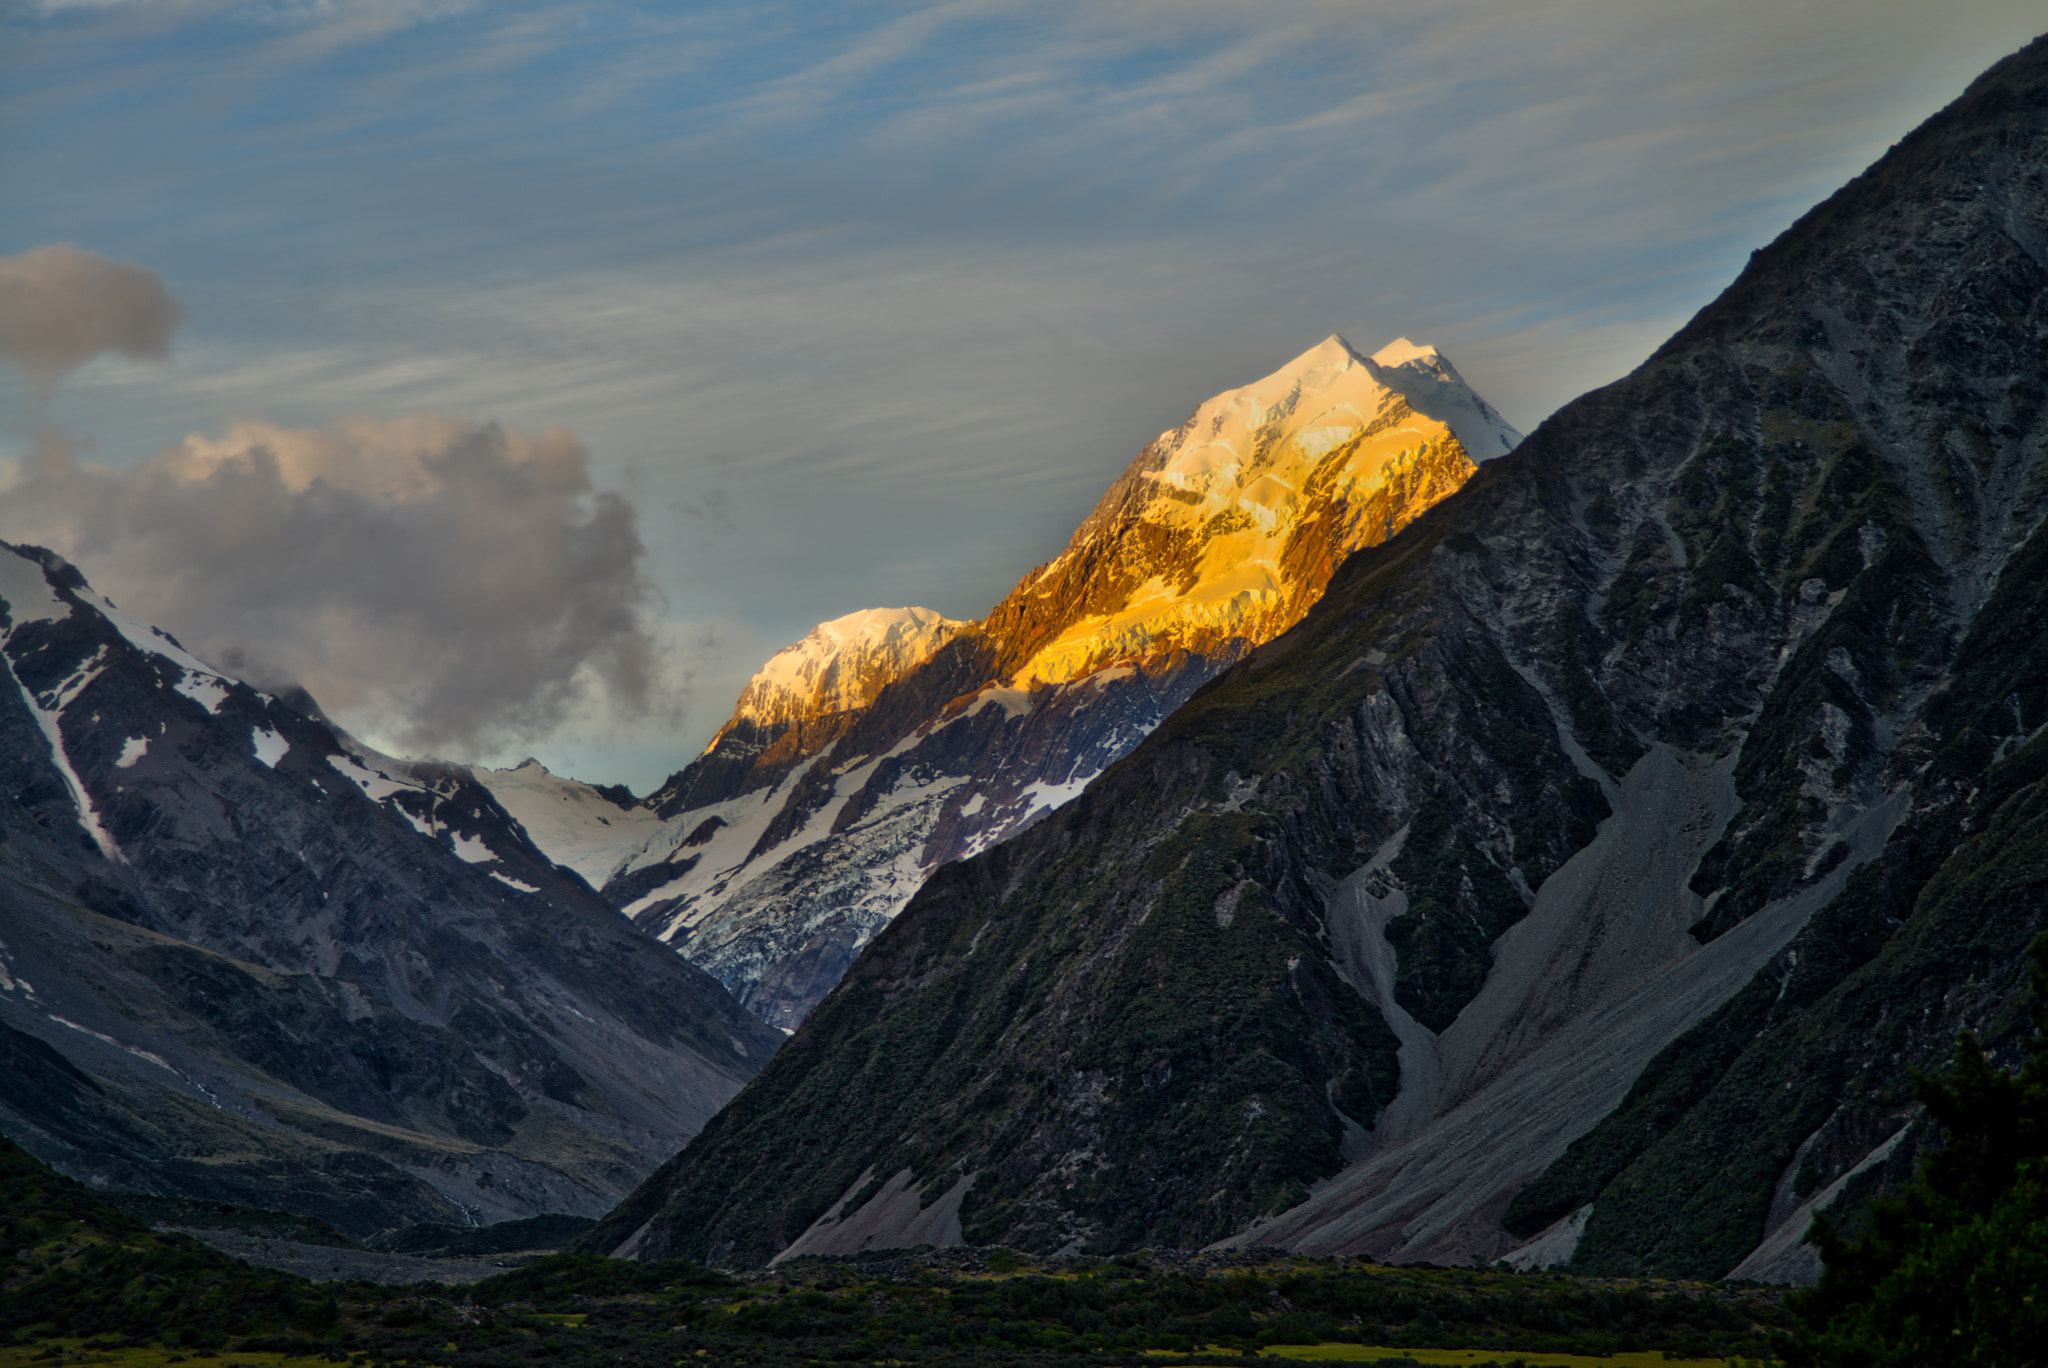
(1954, 1269)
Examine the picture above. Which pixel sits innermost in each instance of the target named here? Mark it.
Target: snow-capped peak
(842, 664)
(1416, 371)
(1432, 386)
(1327, 357)
(1402, 352)
(1335, 445)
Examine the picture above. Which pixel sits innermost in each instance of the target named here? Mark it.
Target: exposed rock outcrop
(1586, 870)
(888, 743)
(244, 957)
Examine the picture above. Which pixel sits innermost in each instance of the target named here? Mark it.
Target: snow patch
(660, 894)
(576, 825)
(28, 593)
(145, 637)
(1010, 698)
(471, 849)
(1236, 481)
(744, 819)
(58, 699)
(374, 783)
(133, 749)
(81, 801)
(207, 690)
(379, 787)
(1432, 386)
(1319, 442)
(515, 883)
(1050, 796)
(269, 746)
(8, 982)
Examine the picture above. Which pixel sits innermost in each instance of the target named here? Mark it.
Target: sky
(519, 376)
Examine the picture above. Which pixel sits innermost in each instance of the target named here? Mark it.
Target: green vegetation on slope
(91, 1285)
(980, 1306)
(441, 1240)
(1459, 903)
(78, 1267)
(1952, 1270)
(199, 1214)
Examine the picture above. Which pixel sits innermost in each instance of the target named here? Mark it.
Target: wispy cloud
(884, 274)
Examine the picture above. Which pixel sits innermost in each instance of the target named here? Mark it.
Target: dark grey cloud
(61, 306)
(441, 584)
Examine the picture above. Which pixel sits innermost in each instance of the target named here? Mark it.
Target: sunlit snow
(1321, 437)
(843, 664)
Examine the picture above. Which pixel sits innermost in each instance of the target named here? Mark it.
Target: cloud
(924, 274)
(436, 583)
(61, 306)
(327, 26)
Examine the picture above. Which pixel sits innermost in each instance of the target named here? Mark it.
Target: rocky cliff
(1576, 883)
(244, 957)
(890, 742)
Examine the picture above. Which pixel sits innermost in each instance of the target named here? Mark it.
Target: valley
(1467, 918)
(248, 959)
(1389, 886)
(891, 741)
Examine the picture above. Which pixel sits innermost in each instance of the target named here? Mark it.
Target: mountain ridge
(1483, 876)
(246, 957)
(791, 840)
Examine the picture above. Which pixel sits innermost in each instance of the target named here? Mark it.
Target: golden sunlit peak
(1256, 497)
(842, 664)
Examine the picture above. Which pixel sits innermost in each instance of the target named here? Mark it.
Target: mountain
(591, 830)
(1577, 883)
(244, 957)
(803, 699)
(889, 742)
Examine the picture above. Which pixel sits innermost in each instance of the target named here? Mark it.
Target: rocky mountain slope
(244, 957)
(1576, 883)
(889, 742)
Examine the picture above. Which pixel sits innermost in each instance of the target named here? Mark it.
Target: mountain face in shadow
(1576, 883)
(244, 957)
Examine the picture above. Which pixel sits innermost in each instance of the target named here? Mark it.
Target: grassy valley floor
(90, 1284)
(84, 1354)
(1475, 1358)
(961, 1307)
